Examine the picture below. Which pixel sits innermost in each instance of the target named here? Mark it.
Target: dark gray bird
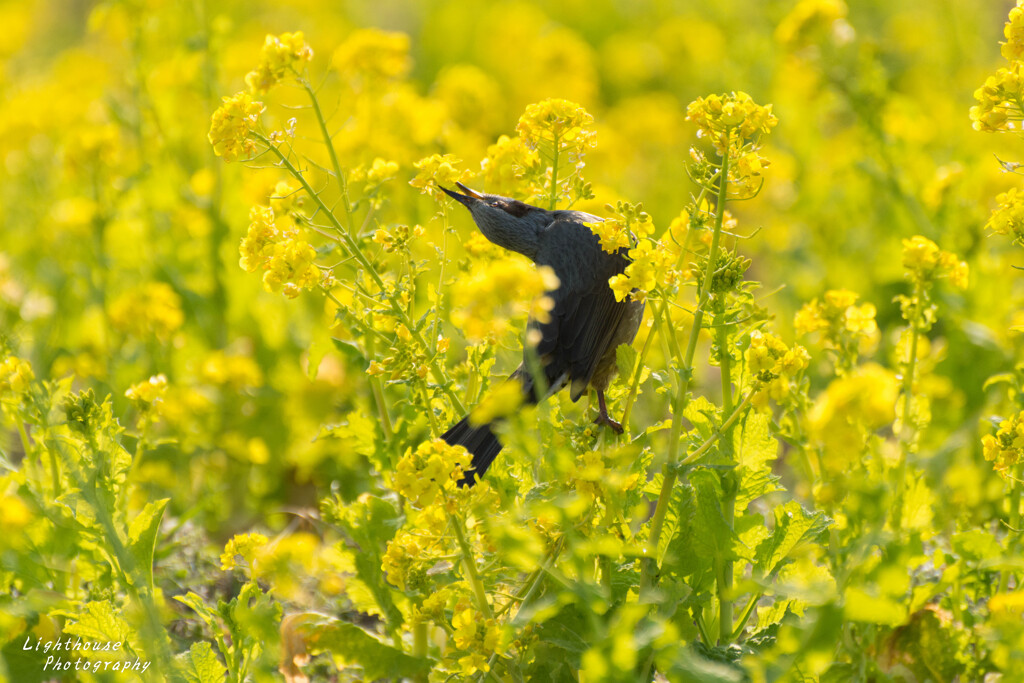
(586, 325)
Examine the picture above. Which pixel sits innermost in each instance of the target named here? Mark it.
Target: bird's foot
(603, 419)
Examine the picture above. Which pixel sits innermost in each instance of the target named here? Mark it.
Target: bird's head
(507, 222)
(480, 204)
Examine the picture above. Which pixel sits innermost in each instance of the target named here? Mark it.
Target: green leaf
(702, 414)
(142, 535)
(205, 612)
(200, 664)
(793, 527)
(101, 621)
(976, 545)
(755, 448)
(710, 534)
(356, 646)
(625, 359)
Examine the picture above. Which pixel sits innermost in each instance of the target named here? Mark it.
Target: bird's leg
(602, 416)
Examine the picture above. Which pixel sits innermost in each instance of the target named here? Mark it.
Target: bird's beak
(469, 197)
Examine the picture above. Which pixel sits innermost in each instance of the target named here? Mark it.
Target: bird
(576, 345)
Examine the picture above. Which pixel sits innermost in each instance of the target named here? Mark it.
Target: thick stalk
(725, 575)
(670, 470)
(472, 575)
(357, 253)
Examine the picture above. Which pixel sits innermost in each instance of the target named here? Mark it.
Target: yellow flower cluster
(423, 473)
(848, 412)
(289, 263)
(235, 371)
(232, 124)
(152, 310)
(808, 20)
(396, 237)
(718, 115)
(555, 123)
(650, 267)
(844, 325)
(1000, 100)
(475, 634)
(1013, 48)
(149, 392)
(625, 222)
(438, 170)
(482, 307)
(373, 55)
(603, 474)
(1006, 448)
(925, 262)
(15, 376)
(281, 54)
(244, 547)
(405, 560)
(1008, 218)
(508, 166)
(774, 367)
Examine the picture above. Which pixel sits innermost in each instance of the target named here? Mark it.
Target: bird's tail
(480, 441)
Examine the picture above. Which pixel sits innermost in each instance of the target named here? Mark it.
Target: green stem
(670, 471)
(553, 199)
(472, 575)
(725, 625)
(329, 143)
(1013, 523)
(638, 371)
(420, 644)
(907, 427)
(357, 253)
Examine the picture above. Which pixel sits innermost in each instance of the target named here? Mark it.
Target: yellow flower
(247, 547)
(406, 560)
(846, 327)
(289, 263)
(559, 131)
(999, 100)
(151, 310)
(808, 20)
(281, 54)
(381, 171)
(421, 474)
(1006, 449)
(233, 371)
(15, 376)
(475, 633)
(556, 121)
(509, 166)
(848, 412)
(774, 367)
(1013, 48)
(1008, 218)
(150, 391)
(232, 124)
(716, 115)
(438, 170)
(925, 262)
(496, 291)
(373, 55)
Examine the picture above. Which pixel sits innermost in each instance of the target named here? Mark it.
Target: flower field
(238, 311)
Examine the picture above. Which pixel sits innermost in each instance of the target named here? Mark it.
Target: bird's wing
(585, 315)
